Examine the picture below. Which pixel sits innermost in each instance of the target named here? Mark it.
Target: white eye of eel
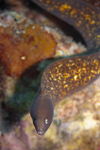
(46, 121)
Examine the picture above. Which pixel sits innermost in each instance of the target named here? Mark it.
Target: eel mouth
(40, 132)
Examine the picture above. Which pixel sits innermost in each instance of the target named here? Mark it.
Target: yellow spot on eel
(68, 76)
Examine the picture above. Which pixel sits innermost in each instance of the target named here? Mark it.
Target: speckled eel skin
(67, 76)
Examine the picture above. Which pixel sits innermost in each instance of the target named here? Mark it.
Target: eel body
(81, 15)
(68, 76)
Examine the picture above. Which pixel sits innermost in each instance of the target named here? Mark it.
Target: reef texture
(24, 46)
(18, 53)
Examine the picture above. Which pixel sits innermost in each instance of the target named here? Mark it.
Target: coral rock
(17, 53)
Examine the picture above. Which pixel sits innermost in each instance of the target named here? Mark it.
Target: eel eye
(46, 121)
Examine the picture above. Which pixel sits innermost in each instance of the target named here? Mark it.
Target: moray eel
(70, 75)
